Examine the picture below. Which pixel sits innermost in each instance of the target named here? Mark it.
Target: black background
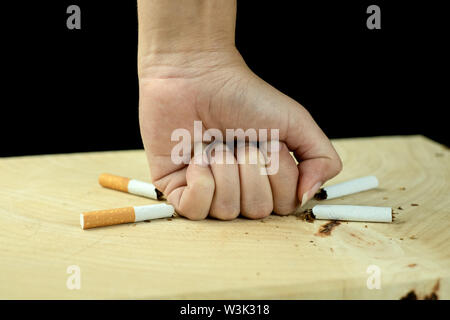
(76, 90)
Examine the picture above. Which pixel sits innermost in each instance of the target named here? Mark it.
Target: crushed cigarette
(352, 213)
(111, 217)
(132, 186)
(347, 187)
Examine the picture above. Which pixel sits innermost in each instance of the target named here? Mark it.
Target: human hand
(218, 89)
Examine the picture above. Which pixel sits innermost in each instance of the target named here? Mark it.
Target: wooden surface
(41, 198)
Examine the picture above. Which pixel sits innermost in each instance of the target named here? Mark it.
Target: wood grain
(41, 198)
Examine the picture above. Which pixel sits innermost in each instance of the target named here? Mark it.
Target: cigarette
(347, 187)
(111, 217)
(139, 188)
(352, 213)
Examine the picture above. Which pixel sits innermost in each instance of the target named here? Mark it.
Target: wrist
(180, 34)
(188, 64)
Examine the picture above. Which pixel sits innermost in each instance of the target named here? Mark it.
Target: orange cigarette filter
(104, 218)
(128, 185)
(114, 182)
(111, 217)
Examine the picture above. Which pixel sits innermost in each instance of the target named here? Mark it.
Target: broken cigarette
(132, 186)
(111, 217)
(347, 187)
(352, 213)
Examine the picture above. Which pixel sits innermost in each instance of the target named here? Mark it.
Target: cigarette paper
(347, 187)
(352, 213)
(111, 217)
(132, 186)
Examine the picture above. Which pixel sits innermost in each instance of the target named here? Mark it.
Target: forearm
(171, 29)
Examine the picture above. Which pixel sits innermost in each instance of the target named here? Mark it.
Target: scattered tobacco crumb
(414, 205)
(436, 286)
(325, 230)
(246, 233)
(311, 241)
(295, 245)
(307, 216)
(276, 226)
(413, 296)
(431, 296)
(401, 238)
(355, 236)
(410, 296)
(413, 237)
(321, 195)
(169, 219)
(262, 221)
(402, 188)
(365, 226)
(385, 198)
(412, 265)
(331, 249)
(400, 208)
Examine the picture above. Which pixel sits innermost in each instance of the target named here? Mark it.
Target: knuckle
(338, 165)
(203, 184)
(258, 211)
(224, 212)
(195, 215)
(285, 208)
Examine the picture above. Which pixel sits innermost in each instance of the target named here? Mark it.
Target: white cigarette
(352, 213)
(139, 188)
(347, 187)
(111, 217)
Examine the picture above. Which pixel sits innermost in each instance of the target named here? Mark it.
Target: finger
(172, 181)
(193, 201)
(256, 195)
(313, 173)
(226, 200)
(283, 177)
(318, 160)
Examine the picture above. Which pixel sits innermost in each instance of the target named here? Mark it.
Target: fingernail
(309, 194)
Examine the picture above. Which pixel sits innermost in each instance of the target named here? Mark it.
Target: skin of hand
(191, 71)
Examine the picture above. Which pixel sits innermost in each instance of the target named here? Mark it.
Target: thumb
(318, 160)
(313, 173)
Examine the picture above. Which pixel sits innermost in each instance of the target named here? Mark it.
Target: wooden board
(41, 198)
